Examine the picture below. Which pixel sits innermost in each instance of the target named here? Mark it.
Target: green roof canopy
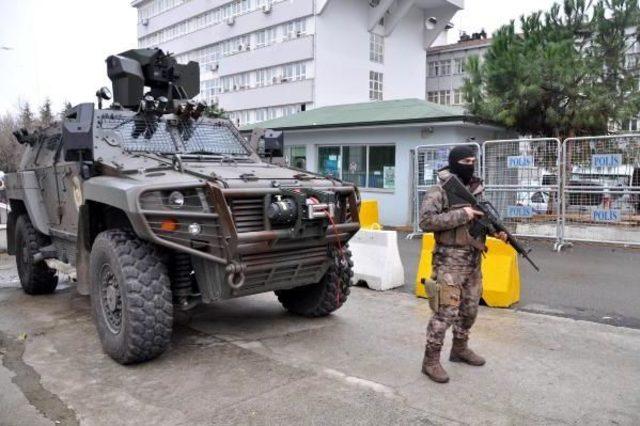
(366, 114)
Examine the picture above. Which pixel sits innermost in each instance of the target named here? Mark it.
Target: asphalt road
(587, 281)
(248, 362)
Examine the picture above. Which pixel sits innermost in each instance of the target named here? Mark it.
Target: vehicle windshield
(158, 136)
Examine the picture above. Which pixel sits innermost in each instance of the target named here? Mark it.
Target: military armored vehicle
(159, 208)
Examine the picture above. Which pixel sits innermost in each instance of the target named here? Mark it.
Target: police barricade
(521, 178)
(601, 189)
(501, 275)
(375, 253)
(428, 159)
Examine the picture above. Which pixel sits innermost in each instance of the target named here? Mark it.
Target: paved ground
(592, 282)
(249, 362)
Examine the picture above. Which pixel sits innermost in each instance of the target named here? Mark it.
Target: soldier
(456, 265)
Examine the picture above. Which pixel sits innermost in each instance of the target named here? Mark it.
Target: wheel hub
(111, 298)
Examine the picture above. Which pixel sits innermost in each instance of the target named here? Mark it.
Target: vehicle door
(68, 168)
(44, 166)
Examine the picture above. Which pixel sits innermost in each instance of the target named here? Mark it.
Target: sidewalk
(248, 362)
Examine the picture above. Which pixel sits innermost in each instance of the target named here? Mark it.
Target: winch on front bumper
(245, 241)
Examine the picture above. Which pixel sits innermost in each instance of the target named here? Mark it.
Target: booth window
(368, 166)
(296, 156)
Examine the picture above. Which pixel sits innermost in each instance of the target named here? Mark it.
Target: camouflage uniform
(456, 264)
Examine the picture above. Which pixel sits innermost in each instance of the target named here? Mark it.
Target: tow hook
(236, 275)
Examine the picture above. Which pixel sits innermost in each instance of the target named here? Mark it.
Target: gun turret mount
(133, 70)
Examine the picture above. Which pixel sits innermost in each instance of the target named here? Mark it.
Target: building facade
(446, 68)
(264, 59)
(371, 144)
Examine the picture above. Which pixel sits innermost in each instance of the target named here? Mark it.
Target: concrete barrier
(376, 259)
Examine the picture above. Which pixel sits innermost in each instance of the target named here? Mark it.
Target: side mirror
(273, 143)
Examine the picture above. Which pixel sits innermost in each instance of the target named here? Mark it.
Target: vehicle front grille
(248, 214)
(295, 266)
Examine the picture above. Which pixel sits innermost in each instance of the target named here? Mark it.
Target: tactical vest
(460, 236)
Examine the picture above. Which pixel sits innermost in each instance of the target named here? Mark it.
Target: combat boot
(460, 352)
(431, 366)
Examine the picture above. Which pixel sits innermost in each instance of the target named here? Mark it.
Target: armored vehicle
(159, 208)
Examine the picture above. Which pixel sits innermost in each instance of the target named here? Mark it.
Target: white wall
(395, 205)
(342, 55)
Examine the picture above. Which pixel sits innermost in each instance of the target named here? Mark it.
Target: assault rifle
(459, 195)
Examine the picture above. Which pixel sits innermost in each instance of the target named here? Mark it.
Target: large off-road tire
(130, 297)
(326, 296)
(35, 277)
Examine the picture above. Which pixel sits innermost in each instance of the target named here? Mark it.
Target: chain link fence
(601, 189)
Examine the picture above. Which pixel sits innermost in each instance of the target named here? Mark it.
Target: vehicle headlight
(195, 229)
(176, 199)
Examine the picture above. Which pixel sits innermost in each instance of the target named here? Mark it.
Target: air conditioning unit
(266, 8)
(231, 20)
(299, 34)
(214, 67)
(145, 21)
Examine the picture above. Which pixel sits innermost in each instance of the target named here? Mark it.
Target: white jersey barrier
(376, 259)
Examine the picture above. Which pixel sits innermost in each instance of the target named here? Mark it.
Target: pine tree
(26, 116)
(214, 111)
(566, 73)
(46, 114)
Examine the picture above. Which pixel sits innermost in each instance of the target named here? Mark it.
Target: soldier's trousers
(461, 289)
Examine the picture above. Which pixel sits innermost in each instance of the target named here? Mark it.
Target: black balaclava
(463, 171)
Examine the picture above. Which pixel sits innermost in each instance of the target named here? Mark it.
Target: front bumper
(239, 252)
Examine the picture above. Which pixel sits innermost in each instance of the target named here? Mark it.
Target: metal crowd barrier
(584, 189)
(428, 159)
(601, 189)
(521, 178)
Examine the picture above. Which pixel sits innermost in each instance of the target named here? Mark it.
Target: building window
(293, 72)
(434, 67)
(376, 48)
(445, 67)
(432, 97)
(445, 97)
(458, 97)
(296, 156)
(375, 86)
(458, 66)
(368, 166)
